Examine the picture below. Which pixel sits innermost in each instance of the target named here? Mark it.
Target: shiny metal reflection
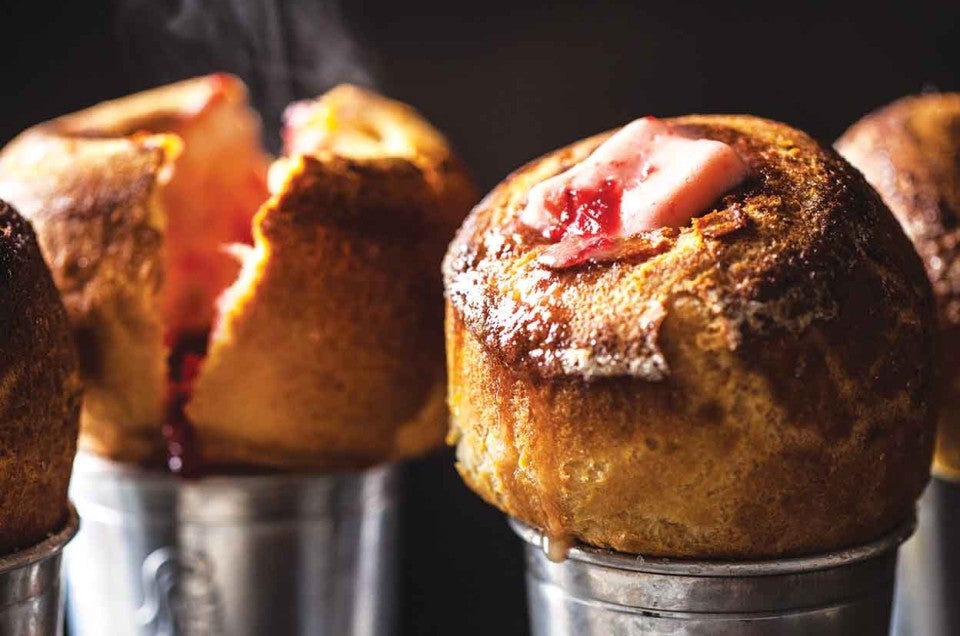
(234, 555)
(927, 600)
(599, 592)
(31, 602)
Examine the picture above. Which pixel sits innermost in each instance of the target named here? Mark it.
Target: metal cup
(31, 603)
(598, 592)
(234, 555)
(927, 601)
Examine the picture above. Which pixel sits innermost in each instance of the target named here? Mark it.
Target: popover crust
(759, 383)
(39, 391)
(94, 205)
(333, 330)
(325, 347)
(93, 185)
(910, 152)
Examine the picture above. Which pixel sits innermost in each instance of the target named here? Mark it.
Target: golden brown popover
(325, 349)
(759, 382)
(910, 152)
(39, 391)
(329, 352)
(136, 256)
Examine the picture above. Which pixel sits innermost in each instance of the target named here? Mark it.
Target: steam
(283, 49)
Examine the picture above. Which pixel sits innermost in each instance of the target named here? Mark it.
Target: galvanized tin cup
(599, 592)
(927, 601)
(234, 555)
(31, 602)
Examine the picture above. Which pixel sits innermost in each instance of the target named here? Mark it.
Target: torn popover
(910, 152)
(231, 311)
(39, 391)
(697, 337)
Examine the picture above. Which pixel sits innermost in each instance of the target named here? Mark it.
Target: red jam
(646, 177)
(186, 357)
(585, 211)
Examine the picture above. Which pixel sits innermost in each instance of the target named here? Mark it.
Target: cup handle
(159, 574)
(178, 594)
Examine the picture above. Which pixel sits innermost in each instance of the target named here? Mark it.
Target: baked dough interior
(214, 182)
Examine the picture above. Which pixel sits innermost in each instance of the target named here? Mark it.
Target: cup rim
(608, 558)
(47, 548)
(88, 461)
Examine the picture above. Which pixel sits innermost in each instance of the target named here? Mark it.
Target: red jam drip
(186, 357)
(585, 211)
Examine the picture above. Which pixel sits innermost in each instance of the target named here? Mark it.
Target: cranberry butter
(644, 177)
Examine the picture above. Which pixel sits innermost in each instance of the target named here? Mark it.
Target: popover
(39, 391)
(753, 380)
(316, 294)
(910, 152)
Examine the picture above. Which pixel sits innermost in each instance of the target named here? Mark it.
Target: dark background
(506, 81)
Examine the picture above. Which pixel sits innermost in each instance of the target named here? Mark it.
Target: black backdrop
(507, 81)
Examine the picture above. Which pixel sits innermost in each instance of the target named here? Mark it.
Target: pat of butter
(644, 177)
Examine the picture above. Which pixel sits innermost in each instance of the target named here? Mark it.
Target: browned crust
(345, 305)
(39, 391)
(763, 392)
(93, 204)
(91, 182)
(331, 354)
(910, 152)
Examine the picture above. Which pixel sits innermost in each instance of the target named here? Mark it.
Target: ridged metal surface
(31, 602)
(597, 592)
(928, 576)
(262, 554)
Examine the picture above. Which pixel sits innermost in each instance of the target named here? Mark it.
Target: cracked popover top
(232, 310)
